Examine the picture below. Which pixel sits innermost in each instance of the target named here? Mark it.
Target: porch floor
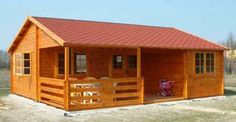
(150, 98)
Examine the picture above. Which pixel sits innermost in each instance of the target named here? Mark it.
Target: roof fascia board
(47, 31)
(26, 21)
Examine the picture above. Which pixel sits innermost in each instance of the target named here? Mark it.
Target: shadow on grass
(229, 92)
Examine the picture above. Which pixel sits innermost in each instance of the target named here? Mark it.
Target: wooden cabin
(76, 65)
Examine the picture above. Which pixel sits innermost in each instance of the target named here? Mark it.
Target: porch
(102, 85)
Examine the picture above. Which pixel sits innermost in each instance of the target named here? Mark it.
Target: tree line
(4, 60)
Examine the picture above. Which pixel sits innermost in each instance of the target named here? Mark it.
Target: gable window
(210, 62)
(117, 61)
(199, 62)
(80, 63)
(132, 61)
(22, 61)
(61, 63)
(204, 63)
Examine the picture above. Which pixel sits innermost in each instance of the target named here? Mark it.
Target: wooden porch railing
(89, 94)
(52, 91)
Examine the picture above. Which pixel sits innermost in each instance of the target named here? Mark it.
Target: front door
(117, 66)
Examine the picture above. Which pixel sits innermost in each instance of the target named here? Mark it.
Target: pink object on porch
(165, 87)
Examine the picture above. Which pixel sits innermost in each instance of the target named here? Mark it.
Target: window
(132, 61)
(210, 62)
(117, 61)
(204, 62)
(22, 61)
(80, 63)
(61, 63)
(199, 62)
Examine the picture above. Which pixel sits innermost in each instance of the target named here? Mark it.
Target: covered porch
(77, 78)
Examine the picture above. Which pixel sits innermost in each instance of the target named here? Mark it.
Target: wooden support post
(139, 75)
(110, 66)
(222, 75)
(66, 87)
(37, 70)
(11, 66)
(185, 56)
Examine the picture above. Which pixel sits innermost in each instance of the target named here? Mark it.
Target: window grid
(117, 62)
(204, 62)
(22, 65)
(199, 63)
(210, 62)
(80, 63)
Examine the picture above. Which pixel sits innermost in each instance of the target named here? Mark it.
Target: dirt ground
(207, 109)
(222, 108)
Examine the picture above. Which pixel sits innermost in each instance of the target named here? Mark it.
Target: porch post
(66, 63)
(186, 58)
(11, 66)
(66, 86)
(139, 75)
(37, 55)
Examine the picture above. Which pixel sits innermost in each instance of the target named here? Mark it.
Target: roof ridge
(68, 19)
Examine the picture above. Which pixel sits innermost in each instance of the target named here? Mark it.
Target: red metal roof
(115, 34)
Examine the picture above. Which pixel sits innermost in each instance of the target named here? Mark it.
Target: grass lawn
(4, 82)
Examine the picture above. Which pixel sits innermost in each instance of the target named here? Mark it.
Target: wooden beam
(47, 31)
(222, 73)
(11, 66)
(110, 66)
(139, 75)
(66, 86)
(185, 66)
(37, 65)
(67, 63)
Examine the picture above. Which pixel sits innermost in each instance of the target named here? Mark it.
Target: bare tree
(4, 60)
(229, 59)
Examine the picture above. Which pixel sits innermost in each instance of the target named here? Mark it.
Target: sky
(210, 19)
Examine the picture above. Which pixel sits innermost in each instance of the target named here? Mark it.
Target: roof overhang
(32, 20)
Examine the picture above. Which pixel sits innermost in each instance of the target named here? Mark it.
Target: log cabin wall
(99, 62)
(211, 84)
(48, 61)
(25, 85)
(162, 64)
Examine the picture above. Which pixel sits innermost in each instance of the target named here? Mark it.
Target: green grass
(230, 81)
(4, 82)
(4, 92)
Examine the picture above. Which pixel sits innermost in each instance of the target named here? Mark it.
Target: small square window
(117, 61)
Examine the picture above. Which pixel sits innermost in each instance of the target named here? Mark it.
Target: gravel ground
(14, 108)
(221, 108)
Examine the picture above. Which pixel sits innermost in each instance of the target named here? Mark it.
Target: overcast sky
(209, 19)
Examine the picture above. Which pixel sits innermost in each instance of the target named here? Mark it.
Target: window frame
(212, 60)
(201, 65)
(205, 66)
(22, 62)
(115, 59)
(75, 63)
(129, 62)
(59, 74)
